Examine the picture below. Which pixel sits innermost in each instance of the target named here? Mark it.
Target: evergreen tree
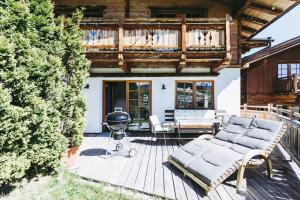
(42, 72)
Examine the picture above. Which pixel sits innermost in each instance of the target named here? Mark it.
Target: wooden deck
(149, 172)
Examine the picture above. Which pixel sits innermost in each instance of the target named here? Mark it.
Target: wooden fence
(291, 116)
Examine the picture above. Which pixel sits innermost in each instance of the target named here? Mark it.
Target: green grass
(65, 186)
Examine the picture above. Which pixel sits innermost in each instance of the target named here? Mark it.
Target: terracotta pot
(69, 158)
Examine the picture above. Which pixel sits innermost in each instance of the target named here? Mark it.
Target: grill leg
(108, 142)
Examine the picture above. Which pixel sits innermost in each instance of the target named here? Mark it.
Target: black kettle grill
(117, 122)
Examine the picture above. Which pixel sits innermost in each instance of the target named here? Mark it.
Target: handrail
(287, 84)
(87, 21)
(161, 34)
(291, 116)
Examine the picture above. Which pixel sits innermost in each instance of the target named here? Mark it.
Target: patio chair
(243, 142)
(159, 128)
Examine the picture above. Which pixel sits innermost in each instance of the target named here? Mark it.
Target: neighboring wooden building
(272, 75)
(149, 56)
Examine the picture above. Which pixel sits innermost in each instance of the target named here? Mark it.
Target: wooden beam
(222, 65)
(254, 20)
(125, 67)
(269, 9)
(120, 60)
(227, 32)
(152, 60)
(127, 8)
(182, 63)
(151, 74)
(248, 29)
(183, 34)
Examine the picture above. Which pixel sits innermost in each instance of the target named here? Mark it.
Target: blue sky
(285, 28)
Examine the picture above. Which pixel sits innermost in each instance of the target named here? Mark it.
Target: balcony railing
(157, 34)
(289, 84)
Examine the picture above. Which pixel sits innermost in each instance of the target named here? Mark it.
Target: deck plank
(168, 179)
(149, 180)
(140, 180)
(150, 172)
(159, 187)
(126, 171)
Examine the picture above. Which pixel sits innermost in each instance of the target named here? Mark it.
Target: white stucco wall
(227, 95)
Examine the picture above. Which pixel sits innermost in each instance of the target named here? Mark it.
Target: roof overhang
(267, 52)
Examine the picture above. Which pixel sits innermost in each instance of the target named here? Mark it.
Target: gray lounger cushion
(206, 159)
(260, 134)
(235, 128)
(212, 164)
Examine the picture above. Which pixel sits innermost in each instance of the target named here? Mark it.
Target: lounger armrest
(205, 136)
(252, 154)
(245, 162)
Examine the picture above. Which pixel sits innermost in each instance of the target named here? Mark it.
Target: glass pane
(185, 95)
(133, 95)
(133, 109)
(204, 95)
(133, 86)
(295, 69)
(282, 70)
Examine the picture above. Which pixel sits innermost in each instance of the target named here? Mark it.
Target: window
(282, 70)
(89, 11)
(286, 70)
(194, 95)
(295, 69)
(173, 12)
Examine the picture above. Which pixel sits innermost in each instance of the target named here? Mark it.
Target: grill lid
(117, 117)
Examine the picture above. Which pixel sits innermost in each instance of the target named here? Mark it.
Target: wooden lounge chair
(209, 160)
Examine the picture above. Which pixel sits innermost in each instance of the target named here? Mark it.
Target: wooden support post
(121, 63)
(227, 31)
(227, 60)
(182, 61)
(183, 34)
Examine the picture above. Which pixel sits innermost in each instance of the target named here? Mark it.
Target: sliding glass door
(139, 104)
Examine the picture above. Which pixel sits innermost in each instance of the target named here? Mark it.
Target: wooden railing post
(270, 106)
(296, 79)
(183, 41)
(121, 61)
(227, 32)
(183, 34)
(245, 106)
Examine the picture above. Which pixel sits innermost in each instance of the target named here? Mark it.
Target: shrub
(42, 71)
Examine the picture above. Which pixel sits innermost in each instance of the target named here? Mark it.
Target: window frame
(67, 10)
(289, 69)
(154, 11)
(194, 94)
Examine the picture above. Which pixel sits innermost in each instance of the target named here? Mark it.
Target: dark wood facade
(179, 37)
(261, 82)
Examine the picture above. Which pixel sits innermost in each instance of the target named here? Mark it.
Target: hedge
(42, 72)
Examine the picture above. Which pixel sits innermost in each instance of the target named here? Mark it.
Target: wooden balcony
(178, 41)
(289, 84)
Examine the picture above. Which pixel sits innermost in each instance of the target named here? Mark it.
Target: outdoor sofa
(243, 142)
(196, 119)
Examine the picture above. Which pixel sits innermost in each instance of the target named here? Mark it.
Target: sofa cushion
(235, 128)
(193, 114)
(260, 134)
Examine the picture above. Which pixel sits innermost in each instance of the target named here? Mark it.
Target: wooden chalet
(272, 75)
(150, 56)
